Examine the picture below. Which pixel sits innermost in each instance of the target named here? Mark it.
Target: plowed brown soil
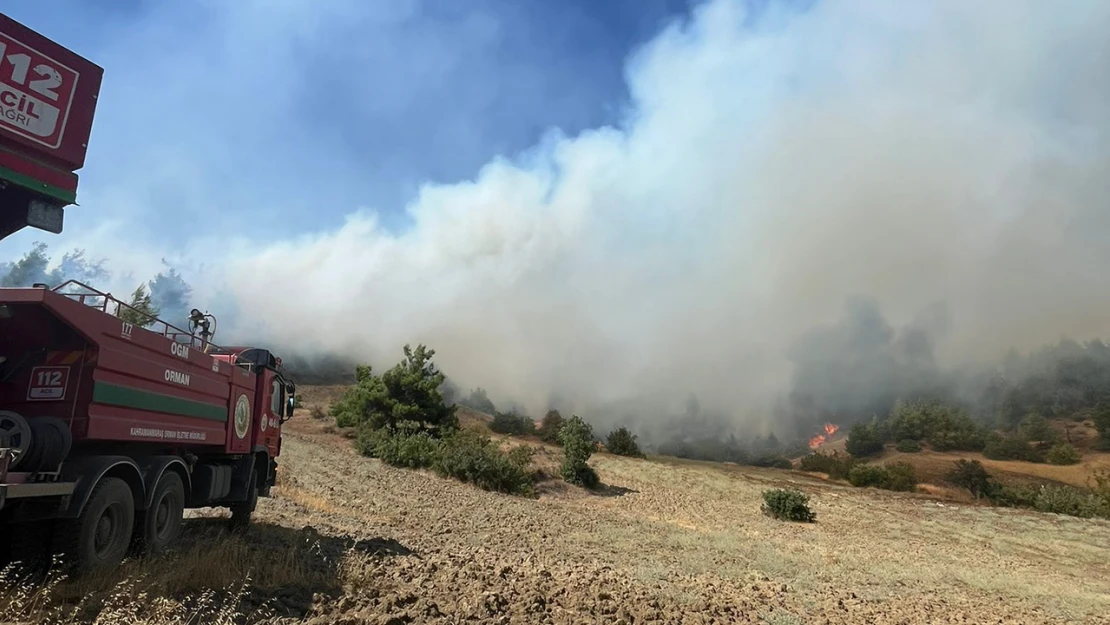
(348, 540)
(682, 543)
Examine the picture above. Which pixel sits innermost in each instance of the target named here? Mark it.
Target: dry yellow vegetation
(349, 540)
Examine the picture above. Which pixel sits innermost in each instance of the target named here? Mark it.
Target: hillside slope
(689, 542)
(349, 540)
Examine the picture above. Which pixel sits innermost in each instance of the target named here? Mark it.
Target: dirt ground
(350, 541)
(683, 543)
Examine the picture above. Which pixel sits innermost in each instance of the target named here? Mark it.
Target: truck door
(268, 431)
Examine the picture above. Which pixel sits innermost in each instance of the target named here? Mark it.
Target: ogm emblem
(242, 416)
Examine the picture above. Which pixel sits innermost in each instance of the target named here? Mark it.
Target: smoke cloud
(947, 160)
(828, 205)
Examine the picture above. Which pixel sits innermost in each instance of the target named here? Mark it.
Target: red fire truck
(112, 423)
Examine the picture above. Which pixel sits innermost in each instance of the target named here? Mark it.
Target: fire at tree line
(406, 416)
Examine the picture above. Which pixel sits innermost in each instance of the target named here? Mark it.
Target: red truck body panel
(47, 97)
(116, 382)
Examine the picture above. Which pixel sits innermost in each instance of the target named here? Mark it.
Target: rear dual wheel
(98, 539)
(159, 525)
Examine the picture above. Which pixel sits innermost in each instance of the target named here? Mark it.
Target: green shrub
(908, 446)
(771, 462)
(944, 426)
(409, 392)
(521, 455)
(549, 427)
(480, 401)
(969, 439)
(971, 474)
(469, 456)
(1063, 453)
(623, 443)
(1036, 428)
(788, 505)
(577, 438)
(864, 440)
(1000, 447)
(1072, 501)
(1058, 498)
(902, 477)
(464, 455)
(1101, 418)
(837, 466)
(1013, 495)
(897, 476)
(512, 423)
(400, 449)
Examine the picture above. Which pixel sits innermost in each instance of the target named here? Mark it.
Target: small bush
(837, 466)
(465, 455)
(908, 446)
(902, 477)
(788, 505)
(400, 449)
(318, 413)
(1012, 495)
(1072, 501)
(1001, 447)
(1058, 498)
(971, 474)
(897, 476)
(1036, 428)
(771, 462)
(480, 401)
(549, 427)
(469, 456)
(959, 439)
(1063, 454)
(512, 423)
(623, 443)
(864, 440)
(865, 475)
(577, 438)
(521, 455)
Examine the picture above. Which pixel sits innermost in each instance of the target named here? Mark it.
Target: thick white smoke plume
(918, 151)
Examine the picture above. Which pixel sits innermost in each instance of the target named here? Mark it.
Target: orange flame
(819, 439)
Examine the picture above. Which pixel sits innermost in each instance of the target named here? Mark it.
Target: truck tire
(99, 538)
(159, 526)
(15, 434)
(241, 511)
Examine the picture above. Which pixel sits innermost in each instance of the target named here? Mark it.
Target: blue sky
(284, 116)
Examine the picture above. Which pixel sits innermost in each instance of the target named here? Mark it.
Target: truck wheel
(241, 512)
(99, 538)
(159, 525)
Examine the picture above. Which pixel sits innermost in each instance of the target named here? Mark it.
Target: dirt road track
(673, 544)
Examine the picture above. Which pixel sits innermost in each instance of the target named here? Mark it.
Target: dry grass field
(348, 540)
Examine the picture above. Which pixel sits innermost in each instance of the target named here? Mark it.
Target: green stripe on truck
(23, 180)
(128, 397)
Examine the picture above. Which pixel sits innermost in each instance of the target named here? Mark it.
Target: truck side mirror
(289, 406)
